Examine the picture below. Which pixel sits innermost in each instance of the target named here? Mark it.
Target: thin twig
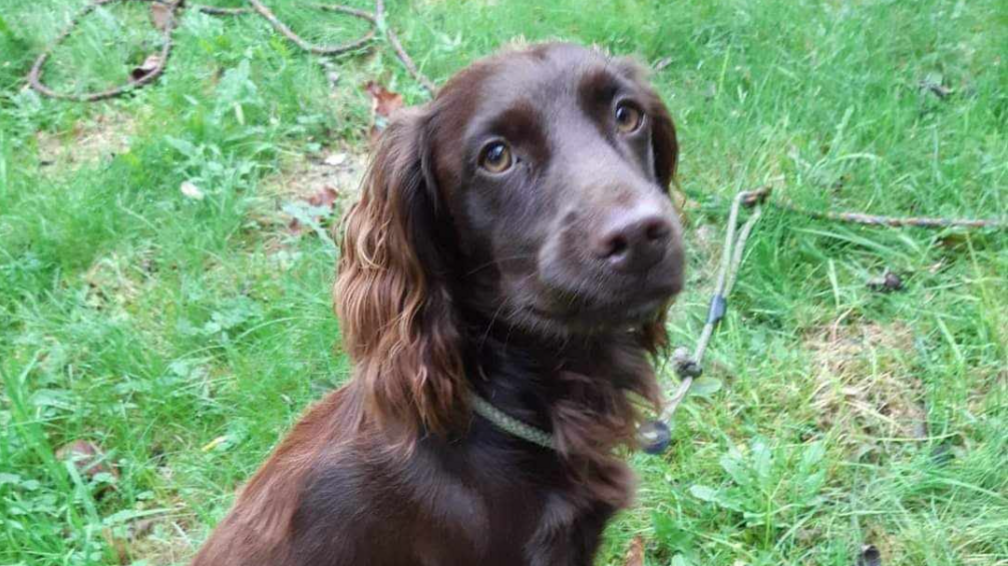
(310, 47)
(364, 14)
(879, 220)
(404, 57)
(217, 11)
(375, 19)
(35, 75)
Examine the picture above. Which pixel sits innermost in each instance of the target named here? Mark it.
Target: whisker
(499, 260)
(486, 334)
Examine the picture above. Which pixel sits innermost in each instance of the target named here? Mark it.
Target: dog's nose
(634, 239)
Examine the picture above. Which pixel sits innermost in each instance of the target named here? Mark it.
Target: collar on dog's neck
(509, 424)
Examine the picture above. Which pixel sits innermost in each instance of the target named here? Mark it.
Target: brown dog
(514, 247)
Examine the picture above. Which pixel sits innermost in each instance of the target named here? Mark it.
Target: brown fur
(407, 361)
(452, 280)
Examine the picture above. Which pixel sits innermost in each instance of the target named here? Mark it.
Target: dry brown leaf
(117, 544)
(384, 105)
(142, 528)
(160, 15)
(635, 554)
(149, 65)
(324, 198)
(384, 102)
(87, 458)
(335, 175)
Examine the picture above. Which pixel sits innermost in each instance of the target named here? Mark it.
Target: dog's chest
(447, 507)
(527, 527)
(527, 515)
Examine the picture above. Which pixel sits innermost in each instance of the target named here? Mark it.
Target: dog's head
(532, 193)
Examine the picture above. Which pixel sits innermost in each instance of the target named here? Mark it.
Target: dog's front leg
(567, 535)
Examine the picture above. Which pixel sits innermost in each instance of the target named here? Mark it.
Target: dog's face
(554, 165)
(531, 193)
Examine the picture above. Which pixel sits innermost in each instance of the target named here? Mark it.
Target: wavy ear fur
(397, 318)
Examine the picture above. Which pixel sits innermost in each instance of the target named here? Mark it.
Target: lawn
(165, 267)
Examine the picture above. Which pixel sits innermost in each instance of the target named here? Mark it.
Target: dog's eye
(496, 157)
(628, 117)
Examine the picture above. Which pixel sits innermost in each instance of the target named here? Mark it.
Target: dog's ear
(664, 146)
(396, 312)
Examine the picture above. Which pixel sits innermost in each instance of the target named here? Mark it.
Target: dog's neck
(530, 377)
(576, 390)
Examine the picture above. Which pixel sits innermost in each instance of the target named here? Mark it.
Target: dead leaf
(325, 198)
(190, 190)
(117, 544)
(384, 105)
(150, 64)
(886, 283)
(662, 63)
(87, 458)
(935, 84)
(322, 204)
(384, 101)
(160, 15)
(635, 554)
(869, 556)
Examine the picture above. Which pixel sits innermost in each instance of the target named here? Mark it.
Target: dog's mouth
(598, 310)
(600, 317)
(558, 297)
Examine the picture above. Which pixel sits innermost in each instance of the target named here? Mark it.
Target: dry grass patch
(340, 170)
(313, 189)
(116, 283)
(104, 136)
(162, 540)
(863, 385)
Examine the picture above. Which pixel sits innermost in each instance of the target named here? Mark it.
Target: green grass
(184, 337)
